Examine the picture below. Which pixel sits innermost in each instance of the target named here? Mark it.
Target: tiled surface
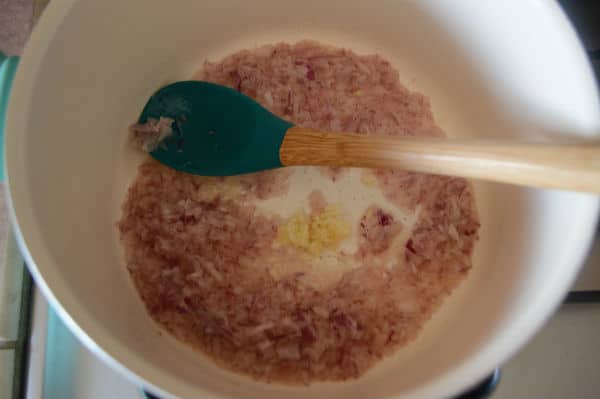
(3, 225)
(37, 348)
(11, 277)
(15, 25)
(16, 20)
(8, 282)
(561, 362)
(6, 374)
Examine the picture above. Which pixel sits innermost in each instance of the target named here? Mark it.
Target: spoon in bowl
(212, 130)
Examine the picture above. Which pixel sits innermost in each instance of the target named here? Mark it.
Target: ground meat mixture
(199, 250)
(378, 229)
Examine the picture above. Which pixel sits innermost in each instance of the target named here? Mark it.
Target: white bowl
(510, 68)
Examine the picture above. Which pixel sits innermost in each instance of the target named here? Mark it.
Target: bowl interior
(91, 66)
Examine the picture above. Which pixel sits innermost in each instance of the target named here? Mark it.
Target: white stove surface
(61, 368)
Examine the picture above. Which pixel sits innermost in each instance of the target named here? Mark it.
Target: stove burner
(480, 391)
(484, 389)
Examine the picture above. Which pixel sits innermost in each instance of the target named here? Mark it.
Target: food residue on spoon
(149, 135)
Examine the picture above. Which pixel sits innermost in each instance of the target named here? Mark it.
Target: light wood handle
(570, 166)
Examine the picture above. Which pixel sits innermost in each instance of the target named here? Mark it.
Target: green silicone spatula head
(217, 131)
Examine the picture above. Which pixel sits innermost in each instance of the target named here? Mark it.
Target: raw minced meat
(203, 257)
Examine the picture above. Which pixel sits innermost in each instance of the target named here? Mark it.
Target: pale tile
(562, 361)
(7, 359)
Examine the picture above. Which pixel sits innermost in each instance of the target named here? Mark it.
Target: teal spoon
(218, 131)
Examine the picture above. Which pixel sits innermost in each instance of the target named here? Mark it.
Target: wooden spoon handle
(570, 166)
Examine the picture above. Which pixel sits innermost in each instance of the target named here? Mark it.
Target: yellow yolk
(314, 233)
